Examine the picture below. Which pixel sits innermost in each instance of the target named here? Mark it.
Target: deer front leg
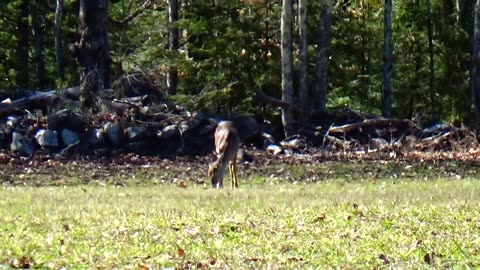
(215, 173)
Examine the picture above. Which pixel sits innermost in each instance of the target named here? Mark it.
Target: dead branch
(137, 12)
(261, 97)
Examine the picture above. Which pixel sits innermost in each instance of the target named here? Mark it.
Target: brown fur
(227, 142)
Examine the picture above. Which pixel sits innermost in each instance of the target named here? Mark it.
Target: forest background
(228, 52)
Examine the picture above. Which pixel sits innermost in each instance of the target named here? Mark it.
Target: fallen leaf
(253, 259)
(215, 231)
(22, 262)
(429, 258)
(416, 244)
(384, 259)
(142, 266)
(67, 227)
(183, 184)
(320, 218)
(63, 249)
(181, 252)
(122, 230)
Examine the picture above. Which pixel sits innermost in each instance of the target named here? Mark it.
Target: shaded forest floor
(312, 166)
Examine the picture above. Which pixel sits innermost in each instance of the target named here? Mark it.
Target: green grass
(349, 225)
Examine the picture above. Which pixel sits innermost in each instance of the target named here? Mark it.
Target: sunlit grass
(361, 225)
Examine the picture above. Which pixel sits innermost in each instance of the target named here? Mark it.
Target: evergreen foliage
(231, 48)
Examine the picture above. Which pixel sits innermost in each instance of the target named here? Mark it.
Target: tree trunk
(387, 60)
(432, 63)
(449, 10)
(58, 39)
(303, 59)
(476, 61)
(465, 16)
(22, 31)
(321, 75)
(418, 59)
(38, 43)
(92, 51)
(267, 32)
(172, 75)
(288, 118)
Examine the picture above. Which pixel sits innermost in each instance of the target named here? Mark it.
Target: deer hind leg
(233, 174)
(230, 171)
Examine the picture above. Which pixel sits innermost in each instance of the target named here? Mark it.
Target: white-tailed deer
(227, 142)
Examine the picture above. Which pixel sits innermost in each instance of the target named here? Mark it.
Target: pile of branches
(136, 117)
(376, 134)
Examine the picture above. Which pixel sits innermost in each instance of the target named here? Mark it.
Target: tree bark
(476, 61)
(288, 118)
(303, 59)
(92, 51)
(387, 60)
(449, 10)
(465, 16)
(267, 32)
(321, 74)
(432, 63)
(38, 45)
(172, 75)
(22, 31)
(58, 39)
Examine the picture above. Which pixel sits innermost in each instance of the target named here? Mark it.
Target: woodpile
(135, 117)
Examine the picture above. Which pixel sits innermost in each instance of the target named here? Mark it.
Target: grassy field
(400, 224)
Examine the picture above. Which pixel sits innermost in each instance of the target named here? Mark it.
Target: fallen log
(437, 138)
(38, 100)
(35, 100)
(393, 123)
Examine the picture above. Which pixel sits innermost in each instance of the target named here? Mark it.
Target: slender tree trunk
(38, 43)
(172, 75)
(364, 39)
(387, 60)
(303, 60)
(449, 9)
(465, 16)
(288, 118)
(92, 51)
(432, 63)
(22, 77)
(321, 74)
(267, 32)
(58, 39)
(418, 48)
(476, 61)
